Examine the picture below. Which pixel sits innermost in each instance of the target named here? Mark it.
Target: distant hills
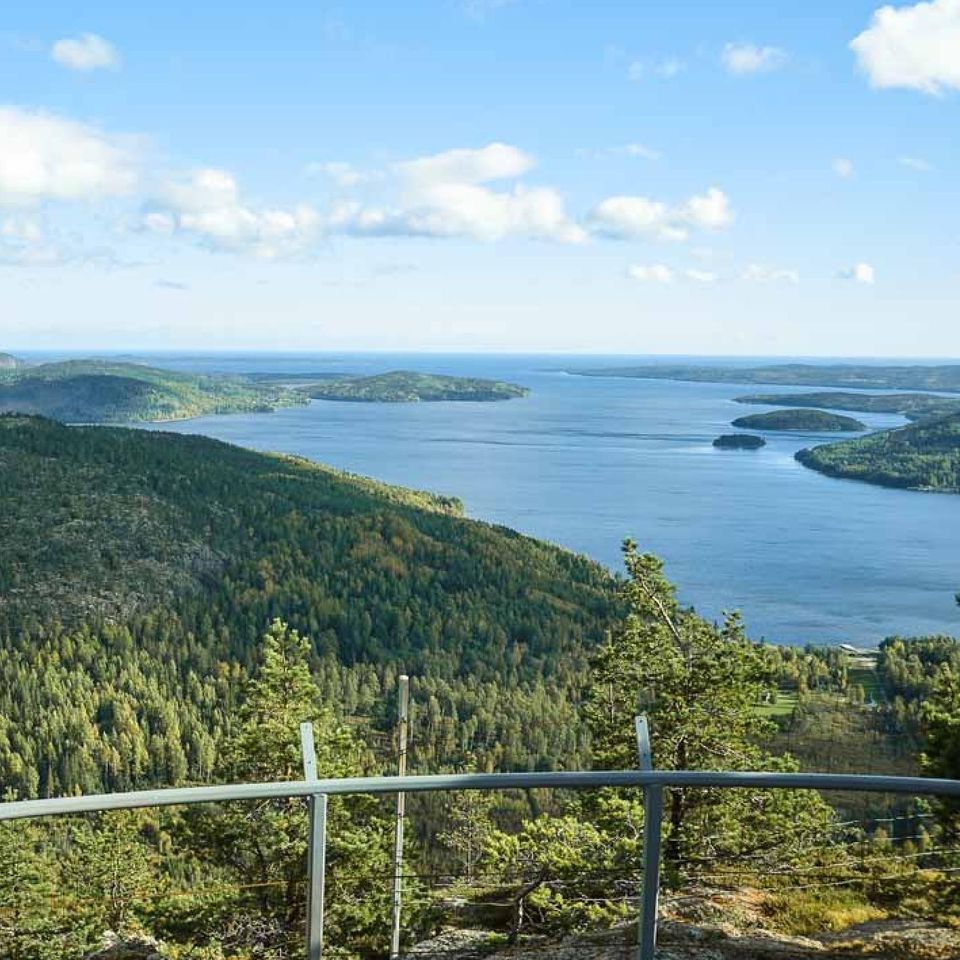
(944, 377)
(404, 386)
(112, 391)
(921, 456)
(913, 406)
(108, 391)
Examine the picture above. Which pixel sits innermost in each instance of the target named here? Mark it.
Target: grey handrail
(570, 780)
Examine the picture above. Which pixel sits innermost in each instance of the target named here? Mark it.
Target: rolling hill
(107, 391)
(138, 571)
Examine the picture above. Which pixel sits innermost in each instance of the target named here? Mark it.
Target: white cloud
(915, 163)
(665, 68)
(496, 161)
(710, 210)
(760, 273)
(745, 58)
(344, 175)
(843, 167)
(45, 157)
(86, 52)
(633, 217)
(207, 204)
(701, 276)
(445, 195)
(653, 273)
(468, 210)
(859, 273)
(917, 47)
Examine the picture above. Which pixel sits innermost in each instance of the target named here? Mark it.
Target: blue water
(584, 462)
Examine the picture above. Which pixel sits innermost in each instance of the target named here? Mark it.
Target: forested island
(739, 441)
(921, 456)
(913, 406)
(109, 391)
(807, 421)
(943, 377)
(8, 361)
(405, 386)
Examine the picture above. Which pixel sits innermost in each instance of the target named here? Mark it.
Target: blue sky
(733, 178)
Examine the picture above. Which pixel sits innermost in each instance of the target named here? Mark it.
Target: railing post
(652, 842)
(317, 849)
(403, 716)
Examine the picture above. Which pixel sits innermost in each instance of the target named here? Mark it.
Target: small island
(806, 421)
(405, 386)
(921, 456)
(739, 441)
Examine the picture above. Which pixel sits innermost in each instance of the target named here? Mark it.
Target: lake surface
(585, 462)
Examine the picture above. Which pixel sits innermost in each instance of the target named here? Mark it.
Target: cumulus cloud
(653, 273)
(843, 167)
(915, 163)
(701, 276)
(86, 52)
(496, 161)
(447, 195)
(917, 47)
(46, 157)
(207, 205)
(634, 217)
(760, 273)
(746, 58)
(859, 273)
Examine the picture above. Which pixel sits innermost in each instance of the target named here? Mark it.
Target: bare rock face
(716, 925)
(116, 947)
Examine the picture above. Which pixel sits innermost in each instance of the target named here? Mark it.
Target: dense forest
(108, 391)
(138, 570)
(404, 386)
(945, 377)
(921, 456)
(913, 406)
(805, 420)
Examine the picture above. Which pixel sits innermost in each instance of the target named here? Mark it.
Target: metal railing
(652, 782)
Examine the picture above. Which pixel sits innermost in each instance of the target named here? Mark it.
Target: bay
(584, 462)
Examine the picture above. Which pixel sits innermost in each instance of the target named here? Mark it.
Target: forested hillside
(138, 570)
(108, 391)
(921, 456)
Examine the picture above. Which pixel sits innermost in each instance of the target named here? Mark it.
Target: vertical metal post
(652, 843)
(317, 850)
(403, 717)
